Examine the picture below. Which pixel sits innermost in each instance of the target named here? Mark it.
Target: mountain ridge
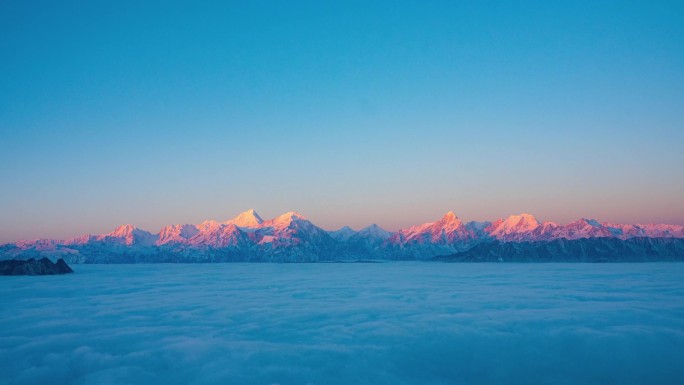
(291, 237)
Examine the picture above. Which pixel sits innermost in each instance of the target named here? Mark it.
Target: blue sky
(349, 112)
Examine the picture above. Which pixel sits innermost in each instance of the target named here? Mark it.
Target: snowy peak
(176, 234)
(375, 231)
(291, 237)
(213, 234)
(291, 215)
(583, 228)
(284, 219)
(208, 226)
(449, 221)
(522, 221)
(515, 227)
(249, 218)
(583, 222)
(447, 230)
(122, 231)
(592, 222)
(342, 234)
(651, 230)
(129, 235)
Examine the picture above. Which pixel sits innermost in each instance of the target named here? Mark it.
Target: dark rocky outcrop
(33, 266)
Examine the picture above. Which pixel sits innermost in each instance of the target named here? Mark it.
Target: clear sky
(348, 112)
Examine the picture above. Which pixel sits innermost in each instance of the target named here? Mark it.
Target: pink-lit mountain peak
(285, 219)
(515, 227)
(208, 225)
(291, 215)
(218, 235)
(448, 220)
(249, 218)
(291, 236)
(129, 235)
(449, 223)
(176, 233)
(520, 222)
(122, 231)
(448, 229)
(524, 220)
(450, 217)
(592, 222)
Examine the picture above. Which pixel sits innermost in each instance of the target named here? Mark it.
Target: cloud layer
(393, 323)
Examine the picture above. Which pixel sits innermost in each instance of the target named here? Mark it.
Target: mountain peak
(123, 230)
(375, 231)
(249, 218)
(284, 220)
(592, 222)
(130, 235)
(345, 229)
(289, 216)
(343, 233)
(448, 221)
(523, 218)
(513, 227)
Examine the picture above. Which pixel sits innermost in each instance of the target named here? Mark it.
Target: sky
(350, 113)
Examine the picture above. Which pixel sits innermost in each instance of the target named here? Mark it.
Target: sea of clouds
(390, 323)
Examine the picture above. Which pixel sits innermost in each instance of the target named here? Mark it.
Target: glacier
(350, 323)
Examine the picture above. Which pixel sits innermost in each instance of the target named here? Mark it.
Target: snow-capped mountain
(342, 234)
(366, 243)
(582, 228)
(248, 219)
(646, 230)
(291, 237)
(374, 232)
(446, 230)
(128, 235)
(515, 228)
(445, 236)
(176, 234)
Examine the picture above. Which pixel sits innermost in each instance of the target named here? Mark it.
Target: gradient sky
(350, 113)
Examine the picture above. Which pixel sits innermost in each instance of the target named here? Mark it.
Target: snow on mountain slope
(292, 229)
(449, 229)
(284, 220)
(291, 237)
(343, 234)
(646, 230)
(582, 228)
(176, 234)
(217, 235)
(374, 232)
(249, 219)
(447, 235)
(128, 235)
(514, 228)
(367, 243)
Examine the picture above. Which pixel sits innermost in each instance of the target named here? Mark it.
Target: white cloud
(395, 323)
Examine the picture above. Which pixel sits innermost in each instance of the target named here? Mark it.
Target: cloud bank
(393, 323)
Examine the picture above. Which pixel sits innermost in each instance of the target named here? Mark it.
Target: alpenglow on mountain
(293, 238)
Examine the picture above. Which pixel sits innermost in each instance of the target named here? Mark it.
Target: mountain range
(293, 238)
